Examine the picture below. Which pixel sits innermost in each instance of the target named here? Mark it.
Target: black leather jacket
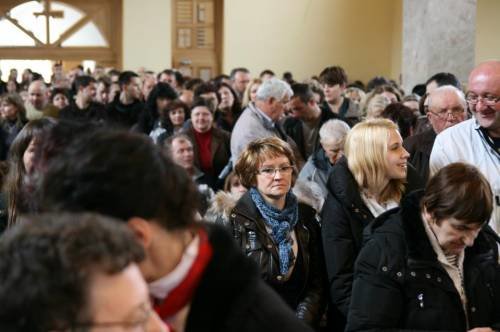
(250, 233)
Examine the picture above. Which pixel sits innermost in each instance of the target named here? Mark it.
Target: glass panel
(12, 36)
(206, 74)
(60, 24)
(43, 67)
(184, 38)
(25, 16)
(205, 12)
(88, 35)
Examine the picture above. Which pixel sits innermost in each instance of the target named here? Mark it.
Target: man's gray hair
(274, 88)
(333, 131)
(447, 88)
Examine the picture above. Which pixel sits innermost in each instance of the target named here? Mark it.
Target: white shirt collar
(159, 289)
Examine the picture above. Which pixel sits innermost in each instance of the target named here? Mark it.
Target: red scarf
(180, 296)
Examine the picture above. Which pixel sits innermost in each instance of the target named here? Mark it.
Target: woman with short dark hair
(279, 233)
(433, 263)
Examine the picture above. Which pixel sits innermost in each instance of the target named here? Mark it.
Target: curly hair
(47, 265)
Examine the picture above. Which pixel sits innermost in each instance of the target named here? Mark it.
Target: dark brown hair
(459, 191)
(333, 76)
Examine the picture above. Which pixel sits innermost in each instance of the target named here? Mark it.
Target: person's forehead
(117, 294)
(241, 75)
(443, 98)
(269, 159)
(456, 222)
(181, 143)
(200, 110)
(485, 80)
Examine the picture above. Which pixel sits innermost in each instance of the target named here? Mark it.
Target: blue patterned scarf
(281, 223)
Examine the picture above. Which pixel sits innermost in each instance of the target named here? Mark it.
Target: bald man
(476, 141)
(38, 105)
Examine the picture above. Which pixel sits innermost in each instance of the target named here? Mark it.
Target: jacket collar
(418, 243)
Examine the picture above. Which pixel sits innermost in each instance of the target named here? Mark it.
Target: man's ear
(142, 230)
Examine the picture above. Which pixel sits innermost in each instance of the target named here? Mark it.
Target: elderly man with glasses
(445, 108)
(477, 141)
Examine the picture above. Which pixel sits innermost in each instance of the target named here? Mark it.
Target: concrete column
(438, 35)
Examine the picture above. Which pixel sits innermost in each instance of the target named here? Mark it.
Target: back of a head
(160, 90)
(401, 115)
(119, 174)
(47, 266)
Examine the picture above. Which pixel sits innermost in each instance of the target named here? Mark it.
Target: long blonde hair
(366, 152)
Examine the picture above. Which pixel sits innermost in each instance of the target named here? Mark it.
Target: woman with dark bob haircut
(277, 231)
(431, 264)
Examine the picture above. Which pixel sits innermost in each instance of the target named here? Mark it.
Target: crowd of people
(158, 202)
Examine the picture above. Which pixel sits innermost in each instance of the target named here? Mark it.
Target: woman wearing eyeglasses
(370, 180)
(278, 232)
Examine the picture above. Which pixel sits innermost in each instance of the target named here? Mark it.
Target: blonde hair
(246, 95)
(366, 152)
(259, 151)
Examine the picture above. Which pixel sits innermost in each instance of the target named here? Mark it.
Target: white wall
(147, 34)
(304, 36)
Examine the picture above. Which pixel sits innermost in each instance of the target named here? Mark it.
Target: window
(26, 25)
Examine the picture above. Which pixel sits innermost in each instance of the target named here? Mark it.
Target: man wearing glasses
(446, 107)
(477, 141)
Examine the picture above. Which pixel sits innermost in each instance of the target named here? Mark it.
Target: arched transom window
(58, 30)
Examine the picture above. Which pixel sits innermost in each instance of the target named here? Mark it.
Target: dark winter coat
(344, 216)
(95, 112)
(419, 147)
(400, 285)
(123, 116)
(232, 297)
(250, 233)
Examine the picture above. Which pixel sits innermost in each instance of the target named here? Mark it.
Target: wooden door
(197, 37)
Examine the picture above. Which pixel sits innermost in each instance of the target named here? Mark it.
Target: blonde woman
(250, 92)
(370, 180)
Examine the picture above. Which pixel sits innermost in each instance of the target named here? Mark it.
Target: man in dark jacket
(84, 107)
(197, 277)
(125, 109)
(433, 263)
(306, 120)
